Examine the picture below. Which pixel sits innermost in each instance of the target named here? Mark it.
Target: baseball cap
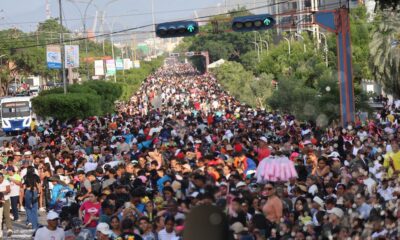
(264, 139)
(104, 228)
(240, 184)
(319, 201)
(337, 211)
(52, 215)
(27, 153)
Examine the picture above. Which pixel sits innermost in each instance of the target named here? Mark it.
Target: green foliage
(385, 60)
(388, 4)
(64, 107)
(360, 38)
(242, 84)
(135, 76)
(92, 98)
(302, 75)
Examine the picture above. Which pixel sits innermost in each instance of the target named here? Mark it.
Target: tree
(385, 52)
(241, 83)
(388, 4)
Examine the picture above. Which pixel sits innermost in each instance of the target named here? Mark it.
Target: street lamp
(256, 45)
(288, 41)
(304, 44)
(326, 44)
(261, 41)
(83, 18)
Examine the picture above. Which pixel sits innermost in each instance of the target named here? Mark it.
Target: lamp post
(304, 44)
(256, 45)
(261, 41)
(326, 44)
(288, 41)
(83, 18)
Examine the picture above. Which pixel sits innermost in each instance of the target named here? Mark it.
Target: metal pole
(266, 44)
(1, 65)
(62, 48)
(287, 42)
(304, 45)
(113, 55)
(256, 45)
(86, 39)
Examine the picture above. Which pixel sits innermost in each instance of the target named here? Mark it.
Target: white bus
(16, 113)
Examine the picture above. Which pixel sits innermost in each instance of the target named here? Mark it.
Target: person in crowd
(182, 141)
(90, 212)
(32, 187)
(51, 231)
(15, 186)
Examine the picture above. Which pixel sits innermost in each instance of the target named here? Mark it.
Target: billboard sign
(71, 56)
(119, 64)
(127, 64)
(53, 57)
(99, 67)
(110, 65)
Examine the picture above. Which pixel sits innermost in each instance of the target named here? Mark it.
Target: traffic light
(177, 29)
(253, 23)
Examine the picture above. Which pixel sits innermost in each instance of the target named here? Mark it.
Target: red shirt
(263, 153)
(90, 208)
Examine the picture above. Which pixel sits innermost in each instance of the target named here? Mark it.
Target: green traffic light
(267, 21)
(190, 28)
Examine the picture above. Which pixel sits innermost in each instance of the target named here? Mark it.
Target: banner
(136, 64)
(110, 65)
(71, 56)
(53, 57)
(119, 65)
(99, 67)
(127, 64)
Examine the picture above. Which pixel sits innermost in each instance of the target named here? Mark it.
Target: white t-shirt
(45, 234)
(3, 186)
(14, 187)
(163, 235)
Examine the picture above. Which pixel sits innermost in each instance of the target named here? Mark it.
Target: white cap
(52, 215)
(334, 155)
(264, 139)
(28, 153)
(337, 211)
(240, 184)
(319, 201)
(103, 228)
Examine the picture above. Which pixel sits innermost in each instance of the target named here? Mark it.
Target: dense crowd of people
(181, 142)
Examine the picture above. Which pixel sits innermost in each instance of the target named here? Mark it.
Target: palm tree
(385, 53)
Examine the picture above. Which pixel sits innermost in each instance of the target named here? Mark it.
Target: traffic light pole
(337, 21)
